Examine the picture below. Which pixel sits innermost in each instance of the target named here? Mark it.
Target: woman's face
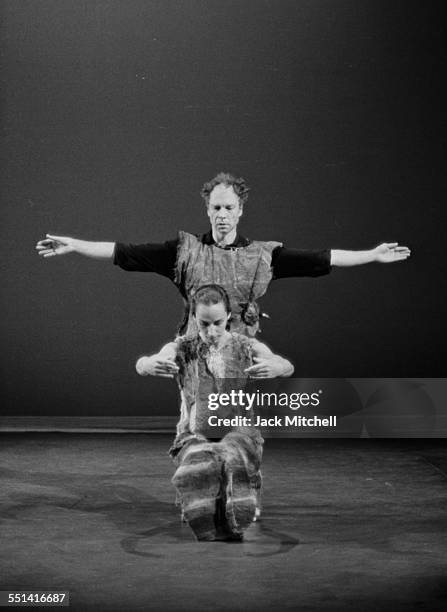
(211, 322)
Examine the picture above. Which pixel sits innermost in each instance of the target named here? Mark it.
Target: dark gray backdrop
(113, 115)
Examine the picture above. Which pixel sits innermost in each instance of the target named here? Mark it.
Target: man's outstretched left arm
(388, 252)
(289, 262)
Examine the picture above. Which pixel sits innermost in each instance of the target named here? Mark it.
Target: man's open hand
(55, 245)
(389, 252)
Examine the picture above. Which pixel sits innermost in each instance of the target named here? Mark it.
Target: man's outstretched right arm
(61, 245)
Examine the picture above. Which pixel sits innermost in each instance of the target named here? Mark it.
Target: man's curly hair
(239, 185)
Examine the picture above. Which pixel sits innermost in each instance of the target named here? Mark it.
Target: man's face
(224, 209)
(211, 322)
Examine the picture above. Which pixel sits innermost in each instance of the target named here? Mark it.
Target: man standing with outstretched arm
(223, 256)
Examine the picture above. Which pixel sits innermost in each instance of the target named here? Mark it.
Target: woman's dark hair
(208, 295)
(239, 185)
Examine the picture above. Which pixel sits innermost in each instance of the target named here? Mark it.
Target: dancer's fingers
(162, 372)
(168, 367)
(259, 374)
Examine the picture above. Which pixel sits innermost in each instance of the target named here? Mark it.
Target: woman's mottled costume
(218, 482)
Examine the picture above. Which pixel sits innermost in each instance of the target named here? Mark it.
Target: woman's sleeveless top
(244, 272)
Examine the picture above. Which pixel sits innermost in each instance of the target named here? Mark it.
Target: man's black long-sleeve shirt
(161, 258)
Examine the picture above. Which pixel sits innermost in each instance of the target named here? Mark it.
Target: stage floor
(346, 525)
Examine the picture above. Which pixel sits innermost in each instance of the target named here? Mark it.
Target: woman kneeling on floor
(218, 481)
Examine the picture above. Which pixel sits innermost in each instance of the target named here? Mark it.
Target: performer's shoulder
(187, 236)
(187, 345)
(184, 339)
(268, 244)
(243, 341)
